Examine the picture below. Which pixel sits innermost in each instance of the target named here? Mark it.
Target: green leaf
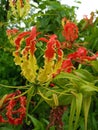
(65, 99)
(61, 82)
(88, 88)
(29, 96)
(37, 124)
(84, 74)
(77, 1)
(4, 128)
(69, 76)
(72, 113)
(2, 100)
(49, 100)
(79, 98)
(86, 106)
(52, 128)
(94, 121)
(55, 99)
(10, 127)
(95, 65)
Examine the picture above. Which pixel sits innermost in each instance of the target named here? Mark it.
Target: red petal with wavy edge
(11, 111)
(53, 46)
(94, 57)
(2, 120)
(70, 31)
(19, 38)
(11, 31)
(32, 36)
(32, 47)
(59, 50)
(67, 65)
(50, 50)
(82, 51)
(31, 41)
(49, 53)
(20, 112)
(43, 39)
(72, 56)
(60, 54)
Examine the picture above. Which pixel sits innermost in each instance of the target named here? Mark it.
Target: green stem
(19, 87)
(41, 100)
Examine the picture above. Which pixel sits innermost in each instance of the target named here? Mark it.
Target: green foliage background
(47, 16)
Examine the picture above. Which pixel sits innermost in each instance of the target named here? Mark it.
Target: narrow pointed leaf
(84, 74)
(29, 96)
(55, 98)
(86, 106)
(72, 113)
(37, 124)
(79, 98)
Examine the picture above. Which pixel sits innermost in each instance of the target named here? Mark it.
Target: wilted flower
(56, 117)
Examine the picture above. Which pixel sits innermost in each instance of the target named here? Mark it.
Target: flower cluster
(26, 59)
(54, 61)
(13, 114)
(88, 21)
(70, 31)
(81, 55)
(19, 8)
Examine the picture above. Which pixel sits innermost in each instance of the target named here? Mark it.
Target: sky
(85, 8)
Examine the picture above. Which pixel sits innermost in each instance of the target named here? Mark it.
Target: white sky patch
(85, 8)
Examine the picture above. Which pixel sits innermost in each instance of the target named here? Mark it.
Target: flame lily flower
(81, 55)
(11, 31)
(70, 31)
(26, 59)
(10, 108)
(19, 8)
